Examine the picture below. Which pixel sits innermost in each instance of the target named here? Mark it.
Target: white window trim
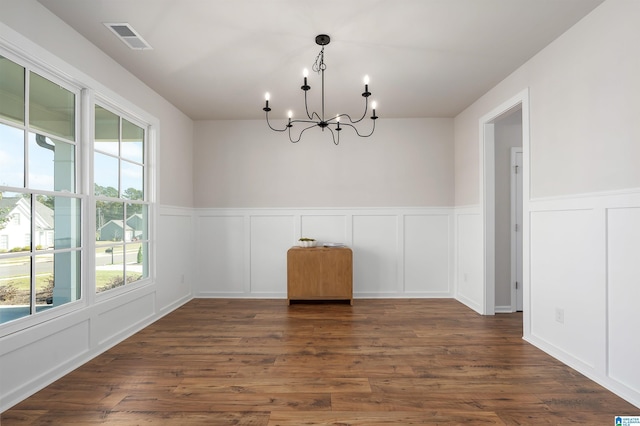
(149, 186)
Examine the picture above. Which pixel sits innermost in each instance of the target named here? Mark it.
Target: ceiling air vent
(128, 35)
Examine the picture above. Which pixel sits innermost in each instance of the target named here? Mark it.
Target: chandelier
(336, 123)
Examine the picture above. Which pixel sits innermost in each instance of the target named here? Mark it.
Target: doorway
(507, 203)
(493, 206)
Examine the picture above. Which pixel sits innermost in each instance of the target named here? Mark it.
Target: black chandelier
(333, 124)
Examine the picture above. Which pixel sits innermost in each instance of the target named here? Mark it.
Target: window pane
(44, 281)
(136, 261)
(110, 224)
(51, 107)
(51, 164)
(137, 220)
(15, 221)
(107, 135)
(109, 267)
(132, 181)
(58, 222)
(11, 156)
(105, 174)
(57, 279)
(11, 91)
(15, 288)
(132, 142)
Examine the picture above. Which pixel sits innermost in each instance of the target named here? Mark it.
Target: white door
(517, 226)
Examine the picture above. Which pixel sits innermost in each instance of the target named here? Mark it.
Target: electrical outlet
(465, 277)
(560, 315)
(182, 279)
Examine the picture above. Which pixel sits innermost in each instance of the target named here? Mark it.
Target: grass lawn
(22, 283)
(106, 279)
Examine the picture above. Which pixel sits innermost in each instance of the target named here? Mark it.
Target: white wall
(406, 163)
(81, 330)
(582, 165)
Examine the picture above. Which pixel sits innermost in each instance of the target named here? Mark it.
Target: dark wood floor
(261, 362)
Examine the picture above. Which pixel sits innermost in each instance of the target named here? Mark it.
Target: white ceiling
(215, 59)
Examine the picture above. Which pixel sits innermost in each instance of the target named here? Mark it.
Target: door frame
(514, 233)
(487, 200)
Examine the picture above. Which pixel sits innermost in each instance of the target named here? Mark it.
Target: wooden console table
(319, 273)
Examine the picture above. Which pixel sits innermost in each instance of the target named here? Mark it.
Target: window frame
(148, 199)
(35, 316)
(85, 89)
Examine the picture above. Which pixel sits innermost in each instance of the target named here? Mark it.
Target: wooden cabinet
(319, 273)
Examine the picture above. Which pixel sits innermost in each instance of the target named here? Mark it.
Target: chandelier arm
(273, 128)
(355, 129)
(315, 114)
(300, 135)
(352, 121)
(364, 114)
(315, 123)
(306, 106)
(333, 136)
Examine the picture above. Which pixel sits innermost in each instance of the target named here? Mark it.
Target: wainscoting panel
(426, 250)
(567, 282)
(375, 255)
(249, 257)
(222, 243)
(326, 228)
(119, 319)
(175, 257)
(271, 237)
(623, 249)
(23, 368)
(469, 258)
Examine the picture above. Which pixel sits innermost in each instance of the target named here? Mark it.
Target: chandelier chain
(319, 65)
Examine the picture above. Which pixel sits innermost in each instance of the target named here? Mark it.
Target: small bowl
(307, 243)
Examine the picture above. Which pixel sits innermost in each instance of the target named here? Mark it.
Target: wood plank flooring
(378, 362)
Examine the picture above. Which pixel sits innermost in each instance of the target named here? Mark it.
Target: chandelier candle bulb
(366, 93)
(305, 74)
(266, 106)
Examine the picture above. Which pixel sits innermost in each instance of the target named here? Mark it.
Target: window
(121, 201)
(49, 199)
(38, 193)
